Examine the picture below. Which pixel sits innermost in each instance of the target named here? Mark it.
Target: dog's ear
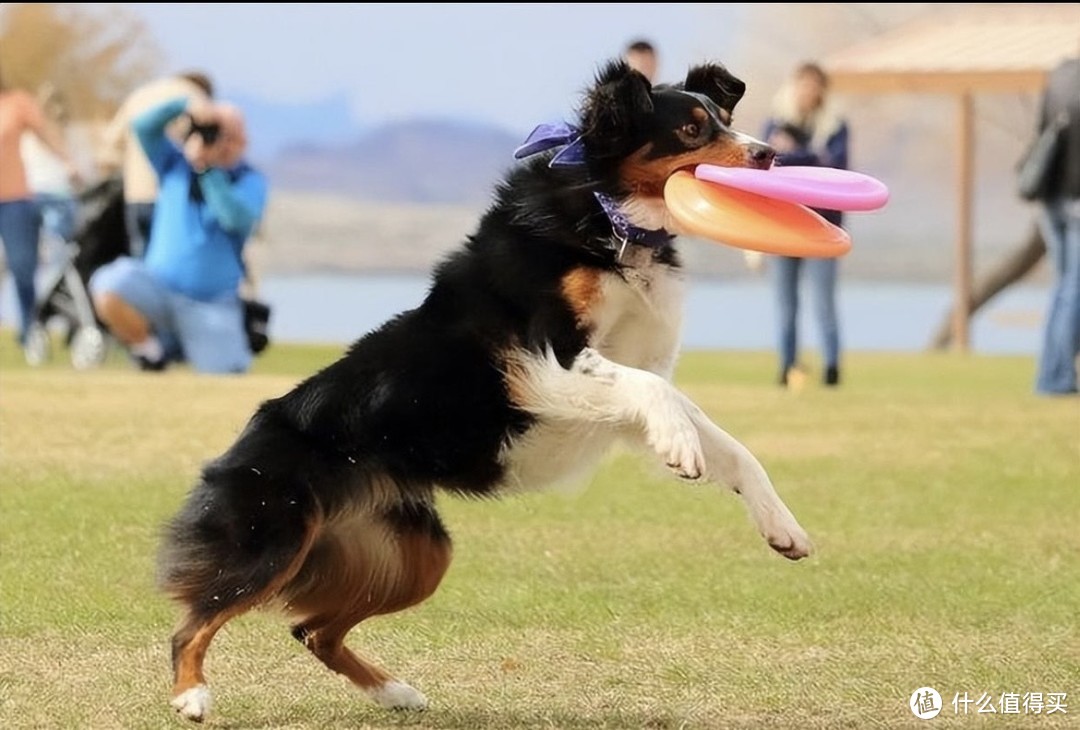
(616, 104)
(717, 83)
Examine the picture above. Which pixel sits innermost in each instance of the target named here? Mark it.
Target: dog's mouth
(761, 163)
(691, 168)
(746, 160)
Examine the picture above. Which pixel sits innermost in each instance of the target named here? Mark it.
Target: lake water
(720, 313)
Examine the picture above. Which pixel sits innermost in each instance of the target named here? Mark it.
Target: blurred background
(383, 129)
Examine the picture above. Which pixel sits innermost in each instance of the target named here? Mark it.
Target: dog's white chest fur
(635, 322)
(638, 319)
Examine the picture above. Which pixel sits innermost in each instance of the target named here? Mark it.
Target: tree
(1009, 270)
(92, 57)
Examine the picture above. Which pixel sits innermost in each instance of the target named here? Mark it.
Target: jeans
(20, 229)
(822, 276)
(58, 214)
(1059, 222)
(209, 335)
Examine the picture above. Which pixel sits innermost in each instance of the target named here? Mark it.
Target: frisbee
(818, 187)
(751, 221)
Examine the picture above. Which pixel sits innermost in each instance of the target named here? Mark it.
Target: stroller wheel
(87, 348)
(38, 347)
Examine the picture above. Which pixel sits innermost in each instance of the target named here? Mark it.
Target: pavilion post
(965, 158)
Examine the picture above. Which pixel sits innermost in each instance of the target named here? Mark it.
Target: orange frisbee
(751, 221)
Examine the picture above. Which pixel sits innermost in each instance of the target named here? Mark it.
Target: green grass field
(943, 497)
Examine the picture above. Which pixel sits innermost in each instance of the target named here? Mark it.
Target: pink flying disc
(818, 187)
(747, 220)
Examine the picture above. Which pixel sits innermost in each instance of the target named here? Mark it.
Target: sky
(513, 64)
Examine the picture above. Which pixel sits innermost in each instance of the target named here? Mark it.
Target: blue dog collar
(628, 232)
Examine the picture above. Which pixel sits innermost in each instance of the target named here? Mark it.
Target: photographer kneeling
(181, 302)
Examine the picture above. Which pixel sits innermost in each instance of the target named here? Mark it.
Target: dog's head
(637, 135)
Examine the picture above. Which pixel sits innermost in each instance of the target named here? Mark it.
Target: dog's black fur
(325, 503)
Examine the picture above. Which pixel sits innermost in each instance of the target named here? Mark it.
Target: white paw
(790, 540)
(672, 434)
(396, 695)
(194, 703)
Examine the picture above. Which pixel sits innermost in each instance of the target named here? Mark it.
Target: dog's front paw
(790, 540)
(193, 703)
(673, 436)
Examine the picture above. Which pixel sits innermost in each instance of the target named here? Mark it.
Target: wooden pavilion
(997, 48)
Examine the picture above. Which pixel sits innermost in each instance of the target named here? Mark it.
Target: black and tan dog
(551, 334)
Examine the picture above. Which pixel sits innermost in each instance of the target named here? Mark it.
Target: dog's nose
(760, 156)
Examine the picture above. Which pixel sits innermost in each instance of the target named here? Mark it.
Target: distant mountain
(414, 161)
(272, 126)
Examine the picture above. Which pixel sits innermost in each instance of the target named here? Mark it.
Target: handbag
(1034, 171)
(256, 324)
(256, 314)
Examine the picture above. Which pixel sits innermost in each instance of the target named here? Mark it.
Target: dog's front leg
(644, 405)
(731, 464)
(599, 391)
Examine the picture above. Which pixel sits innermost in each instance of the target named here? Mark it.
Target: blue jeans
(20, 229)
(58, 214)
(822, 276)
(208, 335)
(1059, 221)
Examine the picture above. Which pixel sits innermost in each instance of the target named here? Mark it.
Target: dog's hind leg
(327, 643)
(217, 580)
(190, 695)
(378, 565)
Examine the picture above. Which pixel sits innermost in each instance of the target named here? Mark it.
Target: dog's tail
(240, 535)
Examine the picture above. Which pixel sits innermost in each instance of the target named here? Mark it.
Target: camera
(209, 132)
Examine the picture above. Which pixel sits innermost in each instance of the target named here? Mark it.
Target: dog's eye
(691, 130)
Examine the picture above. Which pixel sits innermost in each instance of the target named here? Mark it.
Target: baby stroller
(64, 296)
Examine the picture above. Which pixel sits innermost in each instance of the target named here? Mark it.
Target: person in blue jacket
(806, 129)
(181, 302)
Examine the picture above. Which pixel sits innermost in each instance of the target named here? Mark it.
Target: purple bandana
(561, 134)
(549, 136)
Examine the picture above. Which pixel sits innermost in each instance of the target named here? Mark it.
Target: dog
(549, 335)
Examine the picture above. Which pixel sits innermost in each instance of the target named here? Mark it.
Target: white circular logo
(925, 703)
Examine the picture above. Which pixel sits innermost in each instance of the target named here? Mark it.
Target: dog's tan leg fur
(374, 570)
(190, 642)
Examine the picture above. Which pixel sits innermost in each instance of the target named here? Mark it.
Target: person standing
(181, 302)
(51, 184)
(1059, 223)
(806, 129)
(20, 219)
(641, 56)
(122, 151)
